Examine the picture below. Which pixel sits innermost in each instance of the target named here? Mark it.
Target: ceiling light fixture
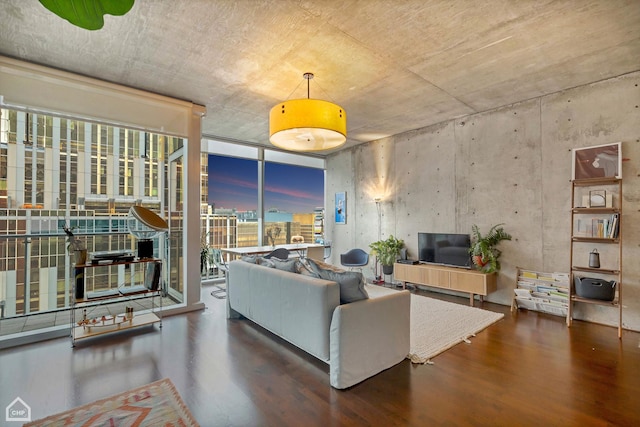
(307, 124)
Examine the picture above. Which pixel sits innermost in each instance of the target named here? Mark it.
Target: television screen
(445, 248)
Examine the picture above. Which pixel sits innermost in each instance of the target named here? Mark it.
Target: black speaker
(145, 248)
(79, 273)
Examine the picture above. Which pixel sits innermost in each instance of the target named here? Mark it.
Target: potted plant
(484, 253)
(76, 245)
(387, 252)
(273, 233)
(204, 253)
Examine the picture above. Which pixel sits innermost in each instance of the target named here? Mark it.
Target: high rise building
(56, 171)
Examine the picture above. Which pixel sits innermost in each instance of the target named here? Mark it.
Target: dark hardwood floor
(528, 369)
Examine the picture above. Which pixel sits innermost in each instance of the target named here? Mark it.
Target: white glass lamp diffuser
(144, 225)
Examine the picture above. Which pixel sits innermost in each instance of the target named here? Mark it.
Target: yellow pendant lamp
(307, 124)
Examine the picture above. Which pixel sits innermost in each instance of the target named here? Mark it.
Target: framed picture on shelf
(597, 198)
(599, 161)
(341, 208)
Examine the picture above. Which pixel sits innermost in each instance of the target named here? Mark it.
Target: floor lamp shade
(144, 225)
(307, 125)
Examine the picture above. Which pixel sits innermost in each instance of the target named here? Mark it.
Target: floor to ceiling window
(255, 192)
(233, 198)
(293, 201)
(56, 171)
(78, 151)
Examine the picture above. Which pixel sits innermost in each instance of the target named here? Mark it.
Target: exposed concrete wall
(510, 165)
(426, 183)
(341, 235)
(499, 180)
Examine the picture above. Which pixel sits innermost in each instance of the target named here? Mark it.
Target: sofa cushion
(316, 266)
(289, 265)
(305, 269)
(265, 262)
(252, 259)
(351, 282)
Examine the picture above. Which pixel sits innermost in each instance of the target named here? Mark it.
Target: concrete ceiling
(393, 65)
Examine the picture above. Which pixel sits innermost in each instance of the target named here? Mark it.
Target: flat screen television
(445, 249)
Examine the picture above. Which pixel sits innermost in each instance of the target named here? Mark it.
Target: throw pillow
(248, 258)
(258, 260)
(317, 266)
(265, 262)
(351, 284)
(304, 268)
(285, 265)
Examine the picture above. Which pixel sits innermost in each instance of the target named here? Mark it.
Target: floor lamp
(378, 279)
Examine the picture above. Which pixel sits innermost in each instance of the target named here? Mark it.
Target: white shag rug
(438, 325)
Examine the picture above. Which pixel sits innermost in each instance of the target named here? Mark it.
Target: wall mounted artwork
(341, 208)
(599, 161)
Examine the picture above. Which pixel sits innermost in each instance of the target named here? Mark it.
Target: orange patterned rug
(155, 404)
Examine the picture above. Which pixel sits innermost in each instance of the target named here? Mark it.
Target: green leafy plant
(205, 252)
(387, 251)
(87, 14)
(484, 253)
(73, 242)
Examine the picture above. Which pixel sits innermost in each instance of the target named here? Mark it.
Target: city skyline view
(233, 183)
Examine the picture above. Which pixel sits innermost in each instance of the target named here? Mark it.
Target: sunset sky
(233, 183)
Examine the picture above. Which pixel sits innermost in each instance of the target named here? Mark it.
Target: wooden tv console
(455, 279)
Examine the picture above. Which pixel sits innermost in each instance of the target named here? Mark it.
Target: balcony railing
(36, 270)
(225, 231)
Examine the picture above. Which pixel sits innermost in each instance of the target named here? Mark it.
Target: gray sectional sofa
(357, 339)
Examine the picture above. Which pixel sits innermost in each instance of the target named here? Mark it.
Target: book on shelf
(542, 295)
(613, 233)
(559, 294)
(526, 285)
(561, 277)
(598, 227)
(134, 289)
(102, 293)
(556, 303)
(580, 228)
(529, 274)
(523, 293)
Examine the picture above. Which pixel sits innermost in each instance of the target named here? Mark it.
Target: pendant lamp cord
(308, 77)
(292, 92)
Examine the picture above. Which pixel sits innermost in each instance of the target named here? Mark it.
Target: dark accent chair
(354, 258)
(280, 253)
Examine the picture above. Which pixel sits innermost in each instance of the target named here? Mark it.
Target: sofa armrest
(368, 336)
